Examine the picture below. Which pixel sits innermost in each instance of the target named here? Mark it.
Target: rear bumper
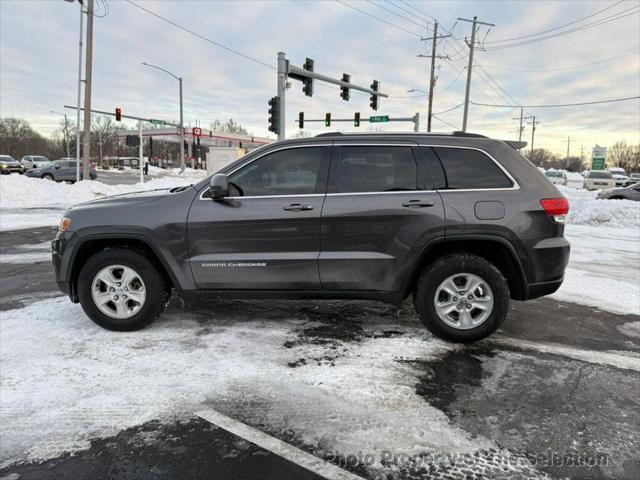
(548, 258)
(537, 290)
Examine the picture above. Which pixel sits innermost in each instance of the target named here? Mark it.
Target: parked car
(460, 222)
(634, 177)
(8, 165)
(60, 170)
(631, 192)
(33, 161)
(598, 179)
(620, 177)
(557, 177)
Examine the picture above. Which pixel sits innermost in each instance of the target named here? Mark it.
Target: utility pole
(432, 81)
(581, 155)
(534, 122)
(568, 150)
(471, 46)
(87, 93)
(79, 95)
(521, 129)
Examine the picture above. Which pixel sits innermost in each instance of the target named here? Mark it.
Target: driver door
(266, 235)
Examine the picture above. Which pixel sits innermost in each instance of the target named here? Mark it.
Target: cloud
(38, 63)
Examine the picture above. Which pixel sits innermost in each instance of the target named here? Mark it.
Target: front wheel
(121, 289)
(462, 298)
(47, 176)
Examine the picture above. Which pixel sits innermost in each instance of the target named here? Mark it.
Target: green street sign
(157, 122)
(379, 119)
(597, 164)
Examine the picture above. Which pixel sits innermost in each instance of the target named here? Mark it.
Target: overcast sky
(39, 56)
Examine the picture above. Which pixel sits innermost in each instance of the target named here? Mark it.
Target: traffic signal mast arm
(298, 73)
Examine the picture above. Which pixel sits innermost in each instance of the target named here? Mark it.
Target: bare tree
(18, 139)
(621, 154)
(544, 158)
(230, 126)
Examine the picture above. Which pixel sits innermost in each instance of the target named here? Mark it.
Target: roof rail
(459, 133)
(328, 134)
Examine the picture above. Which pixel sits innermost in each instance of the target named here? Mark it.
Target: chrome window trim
(408, 143)
(279, 149)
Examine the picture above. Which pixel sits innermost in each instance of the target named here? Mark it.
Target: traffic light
(274, 115)
(373, 101)
(301, 120)
(356, 120)
(327, 120)
(133, 141)
(344, 91)
(307, 83)
(118, 114)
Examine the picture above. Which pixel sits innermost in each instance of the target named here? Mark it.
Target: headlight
(64, 224)
(4, 165)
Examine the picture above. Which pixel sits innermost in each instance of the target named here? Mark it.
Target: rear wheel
(462, 298)
(122, 290)
(47, 176)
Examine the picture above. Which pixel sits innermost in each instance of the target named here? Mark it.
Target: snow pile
(19, 191)
(586, 209)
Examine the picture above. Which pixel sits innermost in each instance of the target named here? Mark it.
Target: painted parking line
(624, 360)
(288, 452)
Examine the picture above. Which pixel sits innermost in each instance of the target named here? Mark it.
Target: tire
(488, 307)
(148, 285)
(47, 176)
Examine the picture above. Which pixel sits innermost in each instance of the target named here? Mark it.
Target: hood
(127, 199)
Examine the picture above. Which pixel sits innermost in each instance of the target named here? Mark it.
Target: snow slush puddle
(360, 384)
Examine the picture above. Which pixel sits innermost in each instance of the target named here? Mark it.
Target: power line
(612, 18)
(377, 18)
(449, 109)
(562, 68)
(452, 83)
(421, 25)
(556, 28)
(557, 104)
(445, 122)
(202, 37)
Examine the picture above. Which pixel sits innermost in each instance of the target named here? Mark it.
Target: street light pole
(181, 111)
(181, 130)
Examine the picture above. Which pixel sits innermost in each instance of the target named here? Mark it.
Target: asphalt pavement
(567, 380)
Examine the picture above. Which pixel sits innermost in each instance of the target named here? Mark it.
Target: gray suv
(61, 171)
(460, 222)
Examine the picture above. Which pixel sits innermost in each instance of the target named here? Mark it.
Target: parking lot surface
(360, 384)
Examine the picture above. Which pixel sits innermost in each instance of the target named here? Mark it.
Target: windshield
(553, 174)
(7, 158)
(606, 175)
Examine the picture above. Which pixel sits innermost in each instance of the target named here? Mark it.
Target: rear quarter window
(466, 169)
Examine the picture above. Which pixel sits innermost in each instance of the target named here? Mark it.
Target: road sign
(196, 132)
(379, 119)
(157, 122)
(598, 158)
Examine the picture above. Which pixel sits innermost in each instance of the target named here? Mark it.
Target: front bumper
(57, 248)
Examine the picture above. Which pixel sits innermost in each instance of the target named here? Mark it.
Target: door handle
(417, 204)
(297, 207)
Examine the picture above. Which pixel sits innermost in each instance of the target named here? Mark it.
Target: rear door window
(360, 169)
(467, 169)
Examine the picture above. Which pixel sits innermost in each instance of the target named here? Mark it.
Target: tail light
(556, 208)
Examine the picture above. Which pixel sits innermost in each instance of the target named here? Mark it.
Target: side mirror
(219, 186)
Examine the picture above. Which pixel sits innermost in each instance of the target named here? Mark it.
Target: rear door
(379, 214)
(267, 235)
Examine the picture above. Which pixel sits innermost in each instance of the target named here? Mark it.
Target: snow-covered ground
(174, 367)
